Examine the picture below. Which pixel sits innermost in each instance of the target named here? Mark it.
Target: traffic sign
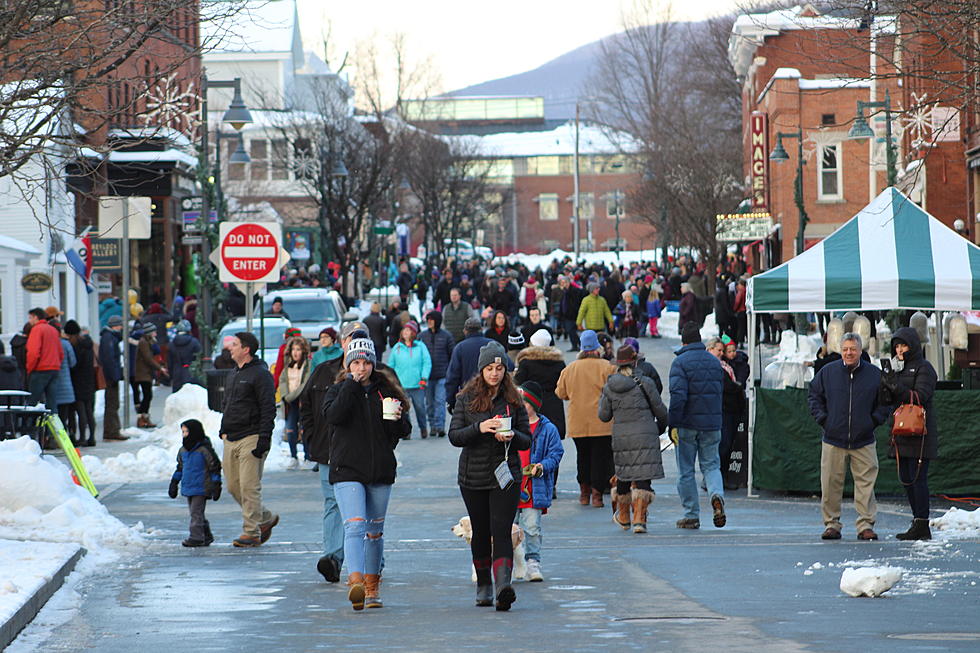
(249, 252)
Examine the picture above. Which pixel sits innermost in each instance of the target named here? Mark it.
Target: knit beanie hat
(183, 326)
(114, 320)
(350, 328)
(330, 332)
(413, 325)
(632, 342)
(72, 328)
(690, 333)
(360, 348)
(492, 352)
(515, 340)
(472, 325)
(589, 341)
(541, 338)
(532, 392)
(292, 332)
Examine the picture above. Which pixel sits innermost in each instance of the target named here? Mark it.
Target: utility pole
(575, 194)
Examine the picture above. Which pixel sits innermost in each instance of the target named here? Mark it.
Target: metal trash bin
(217, 382)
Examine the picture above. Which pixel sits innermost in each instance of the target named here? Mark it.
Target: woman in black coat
(83, 382)
(362, 462)
(499, 328)
(490, 497)
(910, 371)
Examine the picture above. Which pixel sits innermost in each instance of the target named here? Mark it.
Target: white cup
(389, 408)
(504, 425)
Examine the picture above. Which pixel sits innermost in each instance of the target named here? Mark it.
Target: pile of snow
(869, 581)
(39, 501)
(957, 523)
(26, 567)
(534, 261)
(157, 461)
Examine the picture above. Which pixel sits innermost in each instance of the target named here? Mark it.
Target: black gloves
(216, 491)
(172, 492)
(262, 447)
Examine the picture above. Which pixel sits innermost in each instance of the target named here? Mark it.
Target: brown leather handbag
(910, 419)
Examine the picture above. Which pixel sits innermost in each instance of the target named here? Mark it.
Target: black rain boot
(484, 583)
(502, 568)
(919, 530)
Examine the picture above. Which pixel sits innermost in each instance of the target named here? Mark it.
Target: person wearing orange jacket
(44, 355)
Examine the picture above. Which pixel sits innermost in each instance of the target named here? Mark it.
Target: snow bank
(534, 261)
(157, 461)
(26, 567)
(869, 581)
(39, 501)
(957, 523)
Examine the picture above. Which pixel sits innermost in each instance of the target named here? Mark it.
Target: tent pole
(940, 350)
(750, 421)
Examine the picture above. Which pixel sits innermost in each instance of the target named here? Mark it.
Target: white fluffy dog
(464, 529)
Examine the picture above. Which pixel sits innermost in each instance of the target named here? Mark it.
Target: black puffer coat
(636, 431)
(481, 451)
(440, 344)
(362, 446)
(83, 374)
(544, 365)
(896, 388)
(316, 430)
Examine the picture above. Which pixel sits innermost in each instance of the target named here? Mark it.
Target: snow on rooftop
(557, 142)
(17, 245)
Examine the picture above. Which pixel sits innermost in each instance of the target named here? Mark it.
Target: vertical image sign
(759, 134)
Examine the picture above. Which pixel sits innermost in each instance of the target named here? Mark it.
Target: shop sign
(106, 254)
(36, 282)
(759, 148)
(736, 227)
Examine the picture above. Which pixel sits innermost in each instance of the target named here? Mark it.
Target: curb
(27, 612)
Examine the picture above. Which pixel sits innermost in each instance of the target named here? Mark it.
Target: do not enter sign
(250, 252)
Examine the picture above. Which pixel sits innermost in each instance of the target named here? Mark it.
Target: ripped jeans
(363, 508)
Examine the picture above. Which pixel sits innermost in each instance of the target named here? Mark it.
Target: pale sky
(472, 41)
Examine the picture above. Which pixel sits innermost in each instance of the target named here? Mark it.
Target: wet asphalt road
(741, 588)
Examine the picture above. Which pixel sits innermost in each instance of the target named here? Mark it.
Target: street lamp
(237, 115)
(779, 155)
(616, 196)
(861, 130)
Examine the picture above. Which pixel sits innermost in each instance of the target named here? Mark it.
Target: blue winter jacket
(440, 344)
(411, 364)
(844, 403)
(695, 389)
(463, 362)
(546, 449)
(198, 470)
(109, 355)
(64, 391)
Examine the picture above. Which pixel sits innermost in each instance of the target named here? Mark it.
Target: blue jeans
(333, 526)
(363, 509)
(292, 425)
(529, 519)
(435, 401)
(702, 445)
(44, 384)
(417, 395)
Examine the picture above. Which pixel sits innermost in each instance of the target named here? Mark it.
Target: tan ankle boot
(585, 491)
(357, 591)
(372, 591)
(621, 509)
(641, 502)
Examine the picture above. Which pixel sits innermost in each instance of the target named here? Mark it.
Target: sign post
(249, 253)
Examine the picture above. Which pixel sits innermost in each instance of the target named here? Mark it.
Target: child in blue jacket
(199, 476)
(539, 464)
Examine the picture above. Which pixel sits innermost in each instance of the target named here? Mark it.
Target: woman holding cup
(490, 424)
(365, 407)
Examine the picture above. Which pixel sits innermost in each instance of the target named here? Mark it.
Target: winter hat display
(532, 392)
(589, 341)
(490, 353)
(541, 338)
(625, 355)
(360, 349)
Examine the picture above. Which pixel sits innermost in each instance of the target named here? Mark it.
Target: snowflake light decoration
(918, 121)
(305, 165)
(170, 105)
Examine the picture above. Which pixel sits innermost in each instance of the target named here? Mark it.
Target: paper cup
(389, 408)
(504, 425)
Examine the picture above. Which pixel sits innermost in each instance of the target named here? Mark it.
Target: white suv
(309, 309)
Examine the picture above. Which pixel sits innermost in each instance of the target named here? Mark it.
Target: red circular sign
(250, 252)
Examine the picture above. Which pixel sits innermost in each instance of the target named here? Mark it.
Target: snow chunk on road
(869, 581)
(957, 523)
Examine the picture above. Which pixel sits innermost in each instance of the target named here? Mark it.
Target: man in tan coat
(581, 385)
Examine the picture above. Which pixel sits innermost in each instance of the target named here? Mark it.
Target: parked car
(464, 250)
(272, 327)
(309, 309)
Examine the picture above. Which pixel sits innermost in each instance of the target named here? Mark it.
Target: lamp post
(616, 197)
(861, 130)
(779, 155)
(237, 115)
(331, 168)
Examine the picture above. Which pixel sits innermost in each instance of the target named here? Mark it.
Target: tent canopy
(890, 255)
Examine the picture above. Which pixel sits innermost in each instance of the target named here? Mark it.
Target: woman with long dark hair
(489, 467)
(366, 409)
(499, 329)
(292, 379)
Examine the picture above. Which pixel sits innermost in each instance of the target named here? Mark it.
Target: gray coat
(636, 432)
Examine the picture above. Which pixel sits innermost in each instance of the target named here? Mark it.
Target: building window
(586, 206)
(548, 245)
(829, 173)
(259, 153)
(236, 171)
(548, 206)
(615, 204)
(828, 119)
(278, 159)
(543, 165)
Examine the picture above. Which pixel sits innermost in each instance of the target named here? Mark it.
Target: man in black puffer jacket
(440, 344)
(246, 428)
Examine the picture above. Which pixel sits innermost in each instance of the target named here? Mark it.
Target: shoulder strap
(639, 384)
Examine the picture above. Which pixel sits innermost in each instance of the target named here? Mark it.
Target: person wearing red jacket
(44, 354)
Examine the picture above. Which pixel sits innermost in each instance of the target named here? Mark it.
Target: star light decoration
(168, 104)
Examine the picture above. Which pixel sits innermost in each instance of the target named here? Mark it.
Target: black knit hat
(72, 328)
(515, 341)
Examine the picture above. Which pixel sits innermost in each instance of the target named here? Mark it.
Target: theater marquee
(759, 130)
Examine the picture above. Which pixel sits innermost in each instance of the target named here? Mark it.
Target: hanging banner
(759, 149)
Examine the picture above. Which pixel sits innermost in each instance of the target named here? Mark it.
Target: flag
(79, 256)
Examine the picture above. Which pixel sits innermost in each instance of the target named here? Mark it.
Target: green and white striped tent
(890, 255)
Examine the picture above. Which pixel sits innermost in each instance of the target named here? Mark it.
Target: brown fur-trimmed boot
(357, 590)
(621, 509)
(597, 498)
(585, 491)
(372, 591)
(641, 502)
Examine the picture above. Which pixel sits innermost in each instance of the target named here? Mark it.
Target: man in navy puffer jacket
(844, 402)
(695, 425)
(440, 344)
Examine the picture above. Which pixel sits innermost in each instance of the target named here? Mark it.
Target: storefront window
(829, 173)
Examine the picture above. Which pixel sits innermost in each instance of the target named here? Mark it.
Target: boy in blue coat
(539, 465)
(199, 476)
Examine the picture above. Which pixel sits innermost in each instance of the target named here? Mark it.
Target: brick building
(533, 162)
